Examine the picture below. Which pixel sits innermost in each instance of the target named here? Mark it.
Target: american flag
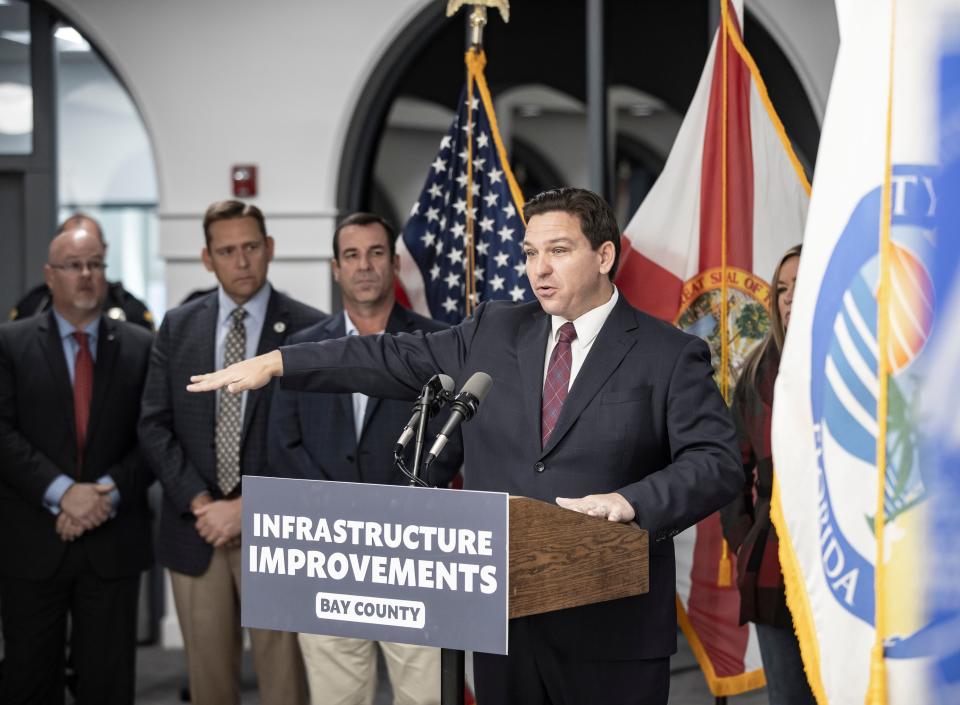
(434, 246)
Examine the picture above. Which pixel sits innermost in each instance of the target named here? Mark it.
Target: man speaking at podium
(594, 405)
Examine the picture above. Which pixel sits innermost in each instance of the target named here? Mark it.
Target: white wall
(221, 82)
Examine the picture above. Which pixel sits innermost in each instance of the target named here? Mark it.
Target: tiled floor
(161, 674)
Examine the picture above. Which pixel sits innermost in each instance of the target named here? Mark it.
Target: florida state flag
(731, 200)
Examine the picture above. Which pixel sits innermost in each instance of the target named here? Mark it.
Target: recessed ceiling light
(71, 39)
(16, 109)
(19, 36)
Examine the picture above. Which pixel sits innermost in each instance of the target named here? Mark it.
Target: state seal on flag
(748, 298)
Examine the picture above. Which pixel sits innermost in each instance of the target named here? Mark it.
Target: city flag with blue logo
(852, 486)
(940, 420)
(457, 251)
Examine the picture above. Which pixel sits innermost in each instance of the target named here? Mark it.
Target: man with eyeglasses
(118, 303)
(200, 448)
(74, 523)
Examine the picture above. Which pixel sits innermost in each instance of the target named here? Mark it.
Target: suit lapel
(276, 324)
(337, 328)
(108, 349)
(400, 321)
(206, 335)
(531, 348)
(52, 346)
(608, 350)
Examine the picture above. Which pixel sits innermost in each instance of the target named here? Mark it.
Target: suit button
(539, 467)
(349, 458)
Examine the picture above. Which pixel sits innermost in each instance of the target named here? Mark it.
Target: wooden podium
(561, 559)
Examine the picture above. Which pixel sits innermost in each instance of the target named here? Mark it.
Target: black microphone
(439, 387)
(465, 405)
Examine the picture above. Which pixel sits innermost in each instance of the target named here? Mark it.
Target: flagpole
(725, 568)
(877, 687)
(452, 661)
(477, 20)
(724, 220)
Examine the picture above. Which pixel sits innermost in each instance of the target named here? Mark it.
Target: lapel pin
(279, 327)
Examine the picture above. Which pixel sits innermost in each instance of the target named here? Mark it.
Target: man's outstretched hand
(241, 376)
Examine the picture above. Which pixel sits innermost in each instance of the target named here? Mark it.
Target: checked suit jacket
(177, 428)
(312, 436)
(643, 418)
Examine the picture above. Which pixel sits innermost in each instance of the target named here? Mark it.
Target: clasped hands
(218, 521)
(84, 506)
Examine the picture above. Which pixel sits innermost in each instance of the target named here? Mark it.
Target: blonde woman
(746, 521)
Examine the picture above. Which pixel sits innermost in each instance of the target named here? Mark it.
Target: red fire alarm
(244, 179)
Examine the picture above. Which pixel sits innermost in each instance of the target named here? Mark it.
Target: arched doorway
(72, 140)
(537, 75)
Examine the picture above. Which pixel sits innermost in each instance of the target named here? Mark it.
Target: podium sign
(382, 562)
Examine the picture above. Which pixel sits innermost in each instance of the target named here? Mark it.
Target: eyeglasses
(96, 266)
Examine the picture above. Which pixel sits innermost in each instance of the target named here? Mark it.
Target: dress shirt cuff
(114, 493)
(55, 491)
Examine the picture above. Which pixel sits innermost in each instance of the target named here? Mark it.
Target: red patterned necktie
(82, 390)
(557, 380)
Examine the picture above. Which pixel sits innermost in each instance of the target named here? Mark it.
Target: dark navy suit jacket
(643, 418)
(177, 427)
(312, 436)
(38, 442)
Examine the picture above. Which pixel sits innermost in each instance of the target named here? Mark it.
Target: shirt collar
(587, 325)
(255, 306)
(351, 328)
(66, 328)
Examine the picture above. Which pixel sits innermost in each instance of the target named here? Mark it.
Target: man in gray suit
(200, 448)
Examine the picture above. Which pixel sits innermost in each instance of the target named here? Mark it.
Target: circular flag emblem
(748, 297)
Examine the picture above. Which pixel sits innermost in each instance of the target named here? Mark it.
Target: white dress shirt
(588, 326)
(359, 400)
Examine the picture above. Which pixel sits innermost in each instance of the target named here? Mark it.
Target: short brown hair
(228, 210)
(362, 218)
(597, 220)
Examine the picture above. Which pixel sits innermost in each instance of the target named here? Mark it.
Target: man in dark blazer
(350, 438)
(594, 405)
(200, 447)
(74, 522)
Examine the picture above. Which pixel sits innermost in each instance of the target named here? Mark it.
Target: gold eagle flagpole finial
(478, 18)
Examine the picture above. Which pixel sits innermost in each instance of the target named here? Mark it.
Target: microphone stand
(426, 401)
(451, 660)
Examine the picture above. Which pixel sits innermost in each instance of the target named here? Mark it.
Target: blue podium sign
(383, 562)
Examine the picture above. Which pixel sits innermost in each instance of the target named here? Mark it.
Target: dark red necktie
(82, 390)
(557, 380)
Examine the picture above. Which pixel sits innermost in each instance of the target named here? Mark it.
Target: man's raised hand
(241, 376)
